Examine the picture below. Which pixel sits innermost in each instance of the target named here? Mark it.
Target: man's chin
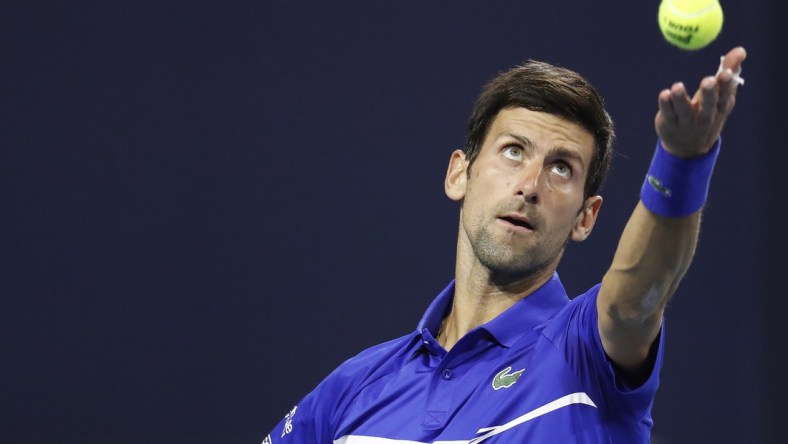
(510, 269)
(501, 273)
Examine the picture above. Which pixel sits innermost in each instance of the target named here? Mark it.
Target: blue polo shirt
(537, 373)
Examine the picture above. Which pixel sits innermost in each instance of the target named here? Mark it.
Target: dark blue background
(207, 206)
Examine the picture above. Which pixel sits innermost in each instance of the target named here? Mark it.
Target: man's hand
(689, 127)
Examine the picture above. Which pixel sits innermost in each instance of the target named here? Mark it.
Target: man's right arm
(301, 424)
(307, 422)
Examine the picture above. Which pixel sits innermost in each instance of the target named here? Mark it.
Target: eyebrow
(566, 152)
(558, 150)
(522, 139)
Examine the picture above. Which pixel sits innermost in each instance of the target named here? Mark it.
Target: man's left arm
(655, 249)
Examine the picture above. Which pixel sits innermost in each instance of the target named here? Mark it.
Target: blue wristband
(676, 187)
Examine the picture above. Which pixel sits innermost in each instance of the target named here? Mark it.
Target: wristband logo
(504, 379)
(657, 185)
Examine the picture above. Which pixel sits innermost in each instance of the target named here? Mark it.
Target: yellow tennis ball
(690, 24)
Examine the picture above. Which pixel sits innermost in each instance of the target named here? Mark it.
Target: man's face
(523, 199)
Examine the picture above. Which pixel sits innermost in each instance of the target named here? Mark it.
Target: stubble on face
(514, 257)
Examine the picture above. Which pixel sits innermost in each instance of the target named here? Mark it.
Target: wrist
(675, 186)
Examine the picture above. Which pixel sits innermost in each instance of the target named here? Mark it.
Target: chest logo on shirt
(505, 379)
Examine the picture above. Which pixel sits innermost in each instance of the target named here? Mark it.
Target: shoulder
(377, 353)
(578, 317)
(574, 333)
(365, 367)
(315, 418)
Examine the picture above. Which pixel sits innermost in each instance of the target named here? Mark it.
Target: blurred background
(207, 206)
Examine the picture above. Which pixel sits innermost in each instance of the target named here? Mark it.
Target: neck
(480, 296)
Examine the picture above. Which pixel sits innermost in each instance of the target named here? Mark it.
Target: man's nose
(530, 181)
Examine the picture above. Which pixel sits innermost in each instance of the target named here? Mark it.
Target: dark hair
(539, 86)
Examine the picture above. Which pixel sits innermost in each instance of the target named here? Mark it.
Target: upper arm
(575, 332)
(312, 419)
(304, 423)
(628, 343)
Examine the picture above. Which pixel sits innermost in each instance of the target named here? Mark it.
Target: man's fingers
(728, 78)
(681, 102)
(666, 106)
(688, 123)
(707, 98)
(733, 59)
(727, 91)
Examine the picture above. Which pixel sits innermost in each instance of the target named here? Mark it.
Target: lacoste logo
(504, 379)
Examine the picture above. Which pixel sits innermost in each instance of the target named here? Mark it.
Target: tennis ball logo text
(681, 33)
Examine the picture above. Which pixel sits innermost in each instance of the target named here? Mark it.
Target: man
(502, 355)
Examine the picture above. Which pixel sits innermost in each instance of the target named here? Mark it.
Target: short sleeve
(312, 420)
(305, 422)
(316, 419)
(575, 331)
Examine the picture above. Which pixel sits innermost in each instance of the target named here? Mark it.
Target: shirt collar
(522, 317)
(529, 312)
(437, 310)
(430, 323)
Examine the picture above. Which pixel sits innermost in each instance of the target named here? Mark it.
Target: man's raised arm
(659, 239)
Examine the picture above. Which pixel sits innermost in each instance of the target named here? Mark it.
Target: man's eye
(513, 152)
(562, 170)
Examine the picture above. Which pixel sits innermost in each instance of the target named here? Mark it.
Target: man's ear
(456, 176)
(586, 219)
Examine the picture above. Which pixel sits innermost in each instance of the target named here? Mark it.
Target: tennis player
(502, 355)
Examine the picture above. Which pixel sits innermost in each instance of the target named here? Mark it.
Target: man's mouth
(517, 221)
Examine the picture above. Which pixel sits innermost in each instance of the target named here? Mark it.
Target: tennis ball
(690, 24)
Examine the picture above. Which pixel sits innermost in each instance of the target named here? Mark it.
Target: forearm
(652, 257)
